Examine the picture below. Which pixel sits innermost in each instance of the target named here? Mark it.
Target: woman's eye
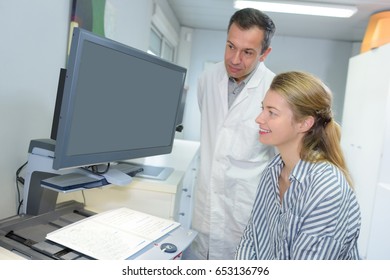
(271, 113)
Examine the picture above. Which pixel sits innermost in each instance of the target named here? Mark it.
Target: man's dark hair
(249, 17)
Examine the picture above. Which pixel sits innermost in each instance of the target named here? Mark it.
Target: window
(155, 43)
(163, 37)
(159, 46)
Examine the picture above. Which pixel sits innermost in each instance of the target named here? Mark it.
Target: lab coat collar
(258, 76)
(253, 83)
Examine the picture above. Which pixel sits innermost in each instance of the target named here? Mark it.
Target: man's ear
(265, 54)
(307, 123)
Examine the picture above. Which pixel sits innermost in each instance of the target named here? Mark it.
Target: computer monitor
(118, 103)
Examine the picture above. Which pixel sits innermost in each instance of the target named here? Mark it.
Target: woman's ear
(307, 123)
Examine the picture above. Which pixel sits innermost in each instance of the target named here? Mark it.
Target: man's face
(243, 51)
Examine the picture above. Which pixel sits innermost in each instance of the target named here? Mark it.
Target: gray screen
(115, 112)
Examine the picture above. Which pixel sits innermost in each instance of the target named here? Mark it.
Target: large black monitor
(118, 103)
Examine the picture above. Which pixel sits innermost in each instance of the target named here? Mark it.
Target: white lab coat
(231, 158)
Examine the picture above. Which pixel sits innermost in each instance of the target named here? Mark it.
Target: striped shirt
(318, 219)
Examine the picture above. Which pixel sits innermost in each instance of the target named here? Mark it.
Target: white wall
(325, 58)
(33, 49)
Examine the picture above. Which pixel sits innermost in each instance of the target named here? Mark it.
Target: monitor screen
(118, 103)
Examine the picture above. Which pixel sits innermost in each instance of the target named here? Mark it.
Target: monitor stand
(150, 171)
(117, 177)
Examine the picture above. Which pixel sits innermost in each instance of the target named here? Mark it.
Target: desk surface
(182, 154)
(8, 255)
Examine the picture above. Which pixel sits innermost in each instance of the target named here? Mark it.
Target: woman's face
(277, 126)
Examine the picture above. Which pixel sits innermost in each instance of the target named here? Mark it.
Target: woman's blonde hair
(307, 96)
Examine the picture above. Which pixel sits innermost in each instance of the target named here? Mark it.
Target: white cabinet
(170, 198)
(366, 144)
(185, 204)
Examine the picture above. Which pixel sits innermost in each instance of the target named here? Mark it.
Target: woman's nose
(259, 118)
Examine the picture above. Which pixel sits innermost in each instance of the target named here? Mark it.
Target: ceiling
(215, 14)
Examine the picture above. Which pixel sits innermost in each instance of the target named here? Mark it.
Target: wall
(324, 58)
(33, 49)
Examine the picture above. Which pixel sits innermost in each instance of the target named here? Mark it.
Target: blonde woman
(305, 206)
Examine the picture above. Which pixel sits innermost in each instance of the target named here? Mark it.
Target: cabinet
(170, 198)
(366, 144)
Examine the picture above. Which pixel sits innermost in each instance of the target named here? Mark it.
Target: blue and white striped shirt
(318, 219)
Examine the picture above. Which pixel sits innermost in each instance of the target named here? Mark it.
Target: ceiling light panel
(305, 8)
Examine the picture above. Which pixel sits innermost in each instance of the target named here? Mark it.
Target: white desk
(8, 255)
(170, 199)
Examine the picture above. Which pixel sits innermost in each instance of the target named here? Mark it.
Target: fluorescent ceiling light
(305, 8)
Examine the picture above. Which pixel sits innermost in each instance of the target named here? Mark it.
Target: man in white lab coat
(231, 158)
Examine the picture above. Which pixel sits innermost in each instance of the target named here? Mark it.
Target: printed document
(114, 234)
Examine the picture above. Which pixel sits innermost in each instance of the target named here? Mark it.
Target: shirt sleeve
(245, 250)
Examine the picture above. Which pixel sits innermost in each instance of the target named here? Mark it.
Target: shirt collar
(299, 172)
(245, 81)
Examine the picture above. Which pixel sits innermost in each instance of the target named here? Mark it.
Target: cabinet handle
(185, 190)
(182, 214)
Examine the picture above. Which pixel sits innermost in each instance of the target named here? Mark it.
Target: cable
(84, 199)
(95, 169)
(19, 179)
